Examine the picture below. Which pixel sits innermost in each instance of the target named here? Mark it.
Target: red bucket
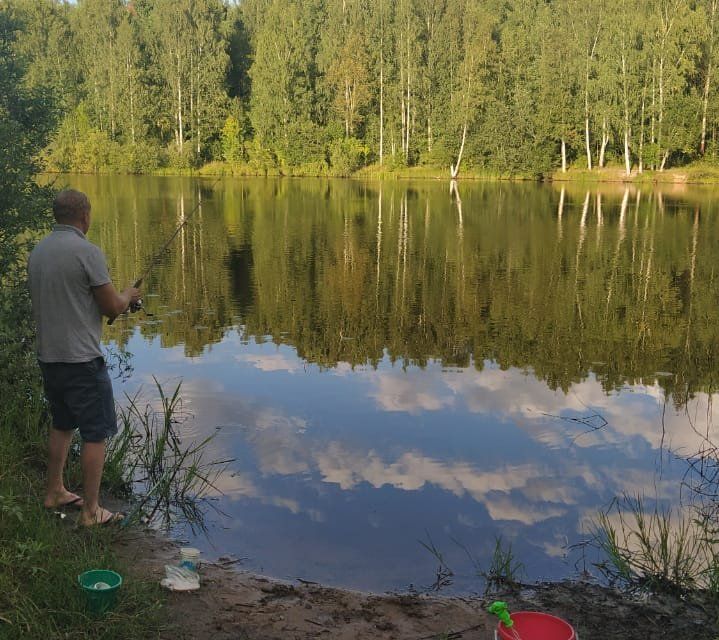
(531, 625)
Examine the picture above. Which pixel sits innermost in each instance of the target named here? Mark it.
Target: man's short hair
(70, 205)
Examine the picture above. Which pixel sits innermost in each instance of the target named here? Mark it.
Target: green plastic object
(501, 610)
(100, 587)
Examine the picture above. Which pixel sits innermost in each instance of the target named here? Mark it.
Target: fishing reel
(133, 308)
(136, 306)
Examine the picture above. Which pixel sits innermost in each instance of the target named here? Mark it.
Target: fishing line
(137, 306)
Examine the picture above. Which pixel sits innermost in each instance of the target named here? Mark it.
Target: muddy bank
(237, 605)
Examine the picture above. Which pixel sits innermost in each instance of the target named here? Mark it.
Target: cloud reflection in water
(339, 462)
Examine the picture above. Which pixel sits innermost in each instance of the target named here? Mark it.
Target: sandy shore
(238, 605)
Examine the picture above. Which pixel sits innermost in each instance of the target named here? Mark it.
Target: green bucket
(100, 588)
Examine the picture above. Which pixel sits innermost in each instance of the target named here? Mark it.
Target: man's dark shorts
(80, 397)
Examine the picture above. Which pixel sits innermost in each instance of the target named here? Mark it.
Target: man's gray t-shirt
(63, 269)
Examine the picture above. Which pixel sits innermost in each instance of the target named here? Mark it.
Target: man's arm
(113, 302)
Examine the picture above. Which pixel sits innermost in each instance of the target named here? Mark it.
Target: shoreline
(698, 174)
(233, 604)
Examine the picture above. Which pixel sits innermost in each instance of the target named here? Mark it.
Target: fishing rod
(136, 306)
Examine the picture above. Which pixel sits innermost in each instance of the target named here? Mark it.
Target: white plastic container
(190, 558)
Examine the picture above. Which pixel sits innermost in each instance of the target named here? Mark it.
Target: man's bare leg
(93, 462)
(58, 445)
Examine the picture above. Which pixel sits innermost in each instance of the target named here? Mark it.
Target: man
(71, 290)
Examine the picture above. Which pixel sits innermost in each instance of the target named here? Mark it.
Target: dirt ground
(233, 604)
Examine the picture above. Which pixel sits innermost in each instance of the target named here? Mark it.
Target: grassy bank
(41, 554)
(371, 172)
(697, 173)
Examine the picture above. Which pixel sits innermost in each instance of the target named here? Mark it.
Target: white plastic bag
(180, 579)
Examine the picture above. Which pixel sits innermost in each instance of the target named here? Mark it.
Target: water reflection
(388, 358)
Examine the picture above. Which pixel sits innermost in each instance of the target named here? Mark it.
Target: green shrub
(176, 159)
(440, 156)
(141, 157)
(261, 159)
(347, 155)
(233, 149)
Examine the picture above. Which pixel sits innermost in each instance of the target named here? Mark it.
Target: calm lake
(391, 362)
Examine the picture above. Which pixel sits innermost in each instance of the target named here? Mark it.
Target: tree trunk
(193, 121)
(564, 156)
(707, 83)
(627, 157)
(381, 107)
(660, 121)
(640, 169)
(198, 111)
(665, 157)
(589, 150)
(605, 142)
(180, 132)
(588, 61)
(409, 100)
(131, 91)
(652, 136)
(381, 87)
(627, 125)
(454, 169)
(703, 143)
(347, 107)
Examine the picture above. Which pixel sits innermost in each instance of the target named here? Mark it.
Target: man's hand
(112, 303)
(133, 295)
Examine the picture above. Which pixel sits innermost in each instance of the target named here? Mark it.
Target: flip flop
(76, 503)
(109, 519)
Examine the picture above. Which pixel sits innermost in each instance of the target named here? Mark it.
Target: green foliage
(262, 160)
(40, 555)
(77, 146)
(26, 116)
(143, 156)
(232, 147)
(304, 142)
(347, 155)
(526, 80)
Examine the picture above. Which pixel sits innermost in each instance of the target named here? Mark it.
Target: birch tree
(474, 72)
(711, 48)
(279, 73)
(406, 52)
(170, 24)
(558, 81)
(587, 20)
(623, 68)
(344, 59)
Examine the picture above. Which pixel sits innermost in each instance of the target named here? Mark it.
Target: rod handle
(137, 284)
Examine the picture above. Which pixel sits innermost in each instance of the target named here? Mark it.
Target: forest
(326, 87)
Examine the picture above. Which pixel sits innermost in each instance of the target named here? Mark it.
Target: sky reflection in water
(345, 338)
(339, 472)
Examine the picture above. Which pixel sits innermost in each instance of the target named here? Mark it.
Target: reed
(504, 568)
(654, 549)
(165, 477)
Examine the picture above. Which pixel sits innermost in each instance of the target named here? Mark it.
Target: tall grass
(503, 572)
(149, 462)
(655, 549)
